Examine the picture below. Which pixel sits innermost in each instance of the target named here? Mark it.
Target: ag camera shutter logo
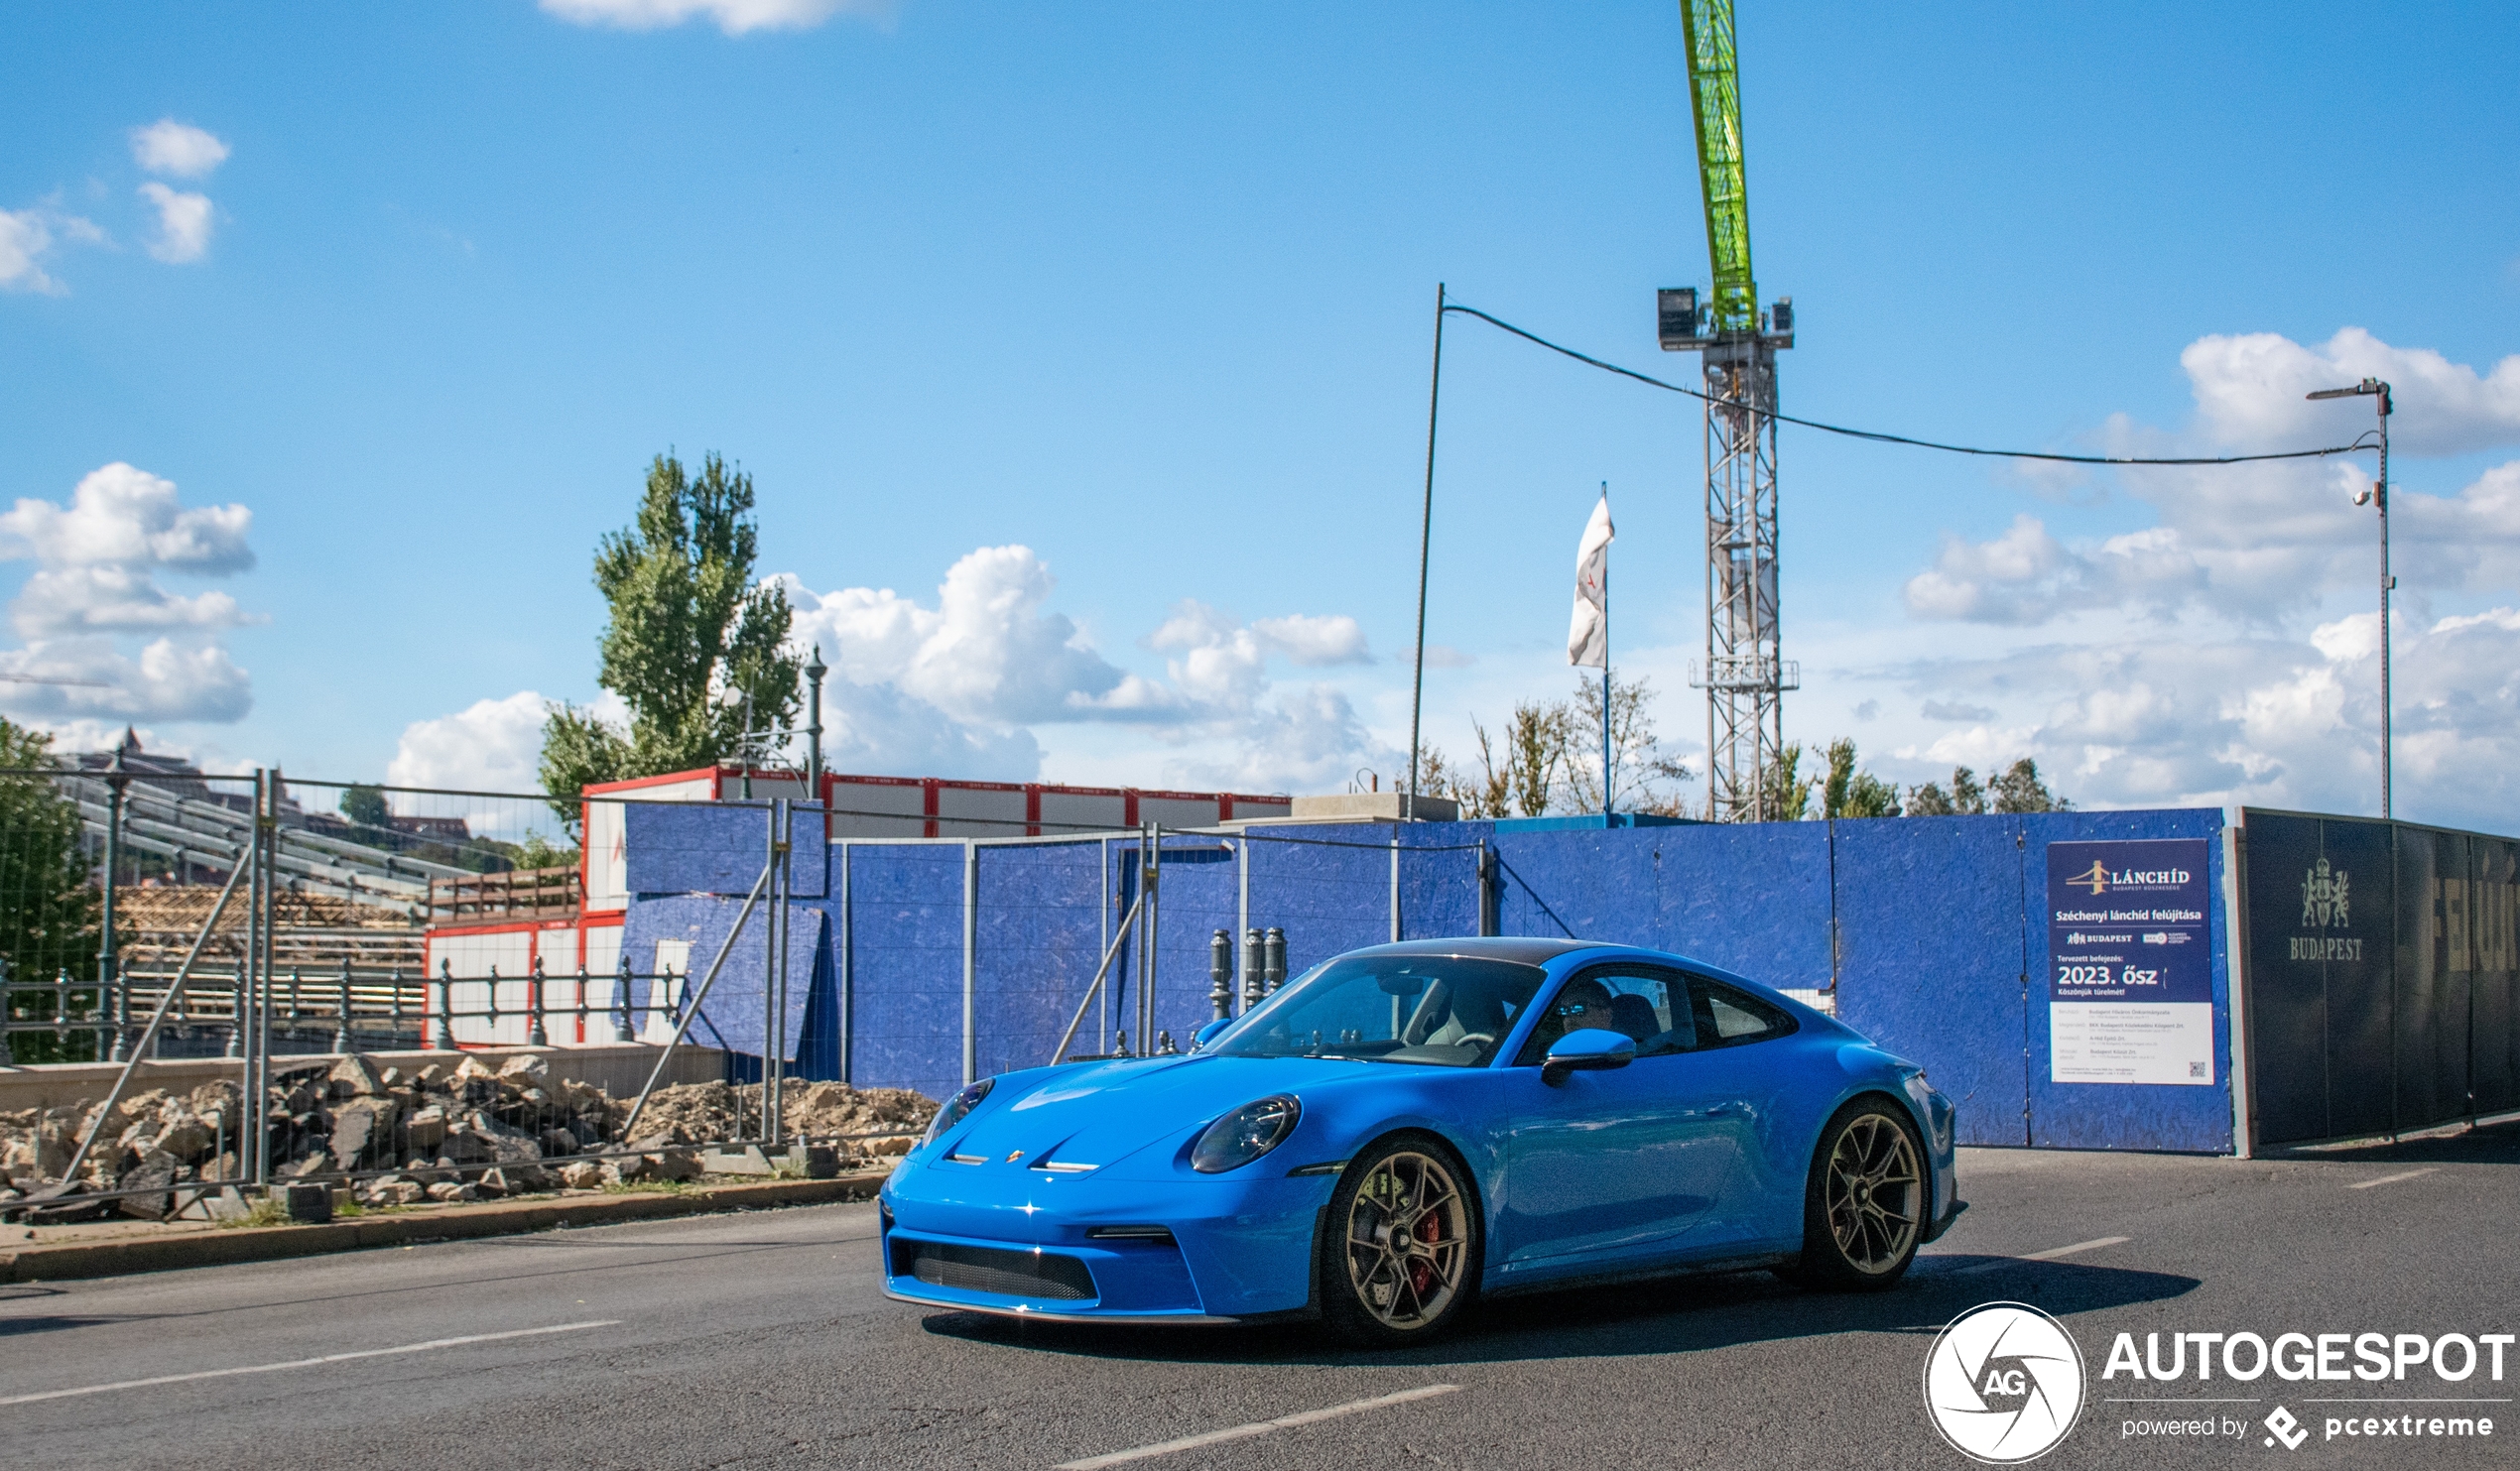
(2003, 1383)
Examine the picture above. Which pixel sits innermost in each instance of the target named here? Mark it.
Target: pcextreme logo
(2003, 1383)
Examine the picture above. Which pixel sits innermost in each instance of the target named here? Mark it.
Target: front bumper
(1942, 1117)
(1027, 1244)
(1043, 1315)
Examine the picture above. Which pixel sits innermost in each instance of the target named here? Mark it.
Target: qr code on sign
(2195, 1069)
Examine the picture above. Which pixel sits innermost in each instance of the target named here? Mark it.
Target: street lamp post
(813, 674)
(2378, 497)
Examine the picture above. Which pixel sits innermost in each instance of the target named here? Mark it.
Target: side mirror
(1208, 1034)
(1585, 1051)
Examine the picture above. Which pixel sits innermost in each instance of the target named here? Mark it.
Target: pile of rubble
(456, 1131)
(705, 1111)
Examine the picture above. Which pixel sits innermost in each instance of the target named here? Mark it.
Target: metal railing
(519, 894)
(348, 1009)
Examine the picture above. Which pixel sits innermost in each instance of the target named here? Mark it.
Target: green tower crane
(1715, 100)
(1744, 675)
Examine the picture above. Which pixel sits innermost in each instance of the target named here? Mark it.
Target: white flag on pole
(1588, 636)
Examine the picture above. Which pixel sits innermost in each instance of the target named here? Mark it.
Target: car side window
(1728, 1017)
(1649, 1007)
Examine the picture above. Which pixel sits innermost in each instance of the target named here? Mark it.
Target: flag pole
(1425, 533)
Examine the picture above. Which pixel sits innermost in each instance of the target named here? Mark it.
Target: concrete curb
(502, 1218)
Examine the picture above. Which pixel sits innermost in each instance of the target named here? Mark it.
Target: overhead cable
(2366, 441)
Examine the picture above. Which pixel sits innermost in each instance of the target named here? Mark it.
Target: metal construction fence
(2233, 1009)
(215, 983)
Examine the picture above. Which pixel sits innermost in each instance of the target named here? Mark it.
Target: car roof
(1529, 950)
(1539, 951)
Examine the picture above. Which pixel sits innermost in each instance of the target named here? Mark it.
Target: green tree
(48, 909)
(689, 637)
(1850, 791)
(368, 812)
(1535, 750)
(2019, 790)
(1644, 778)
(1552, 759)
(1785, 795)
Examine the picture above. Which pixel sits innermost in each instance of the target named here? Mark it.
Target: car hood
(1102, 1112)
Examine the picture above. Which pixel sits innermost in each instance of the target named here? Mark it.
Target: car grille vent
(979, 1269)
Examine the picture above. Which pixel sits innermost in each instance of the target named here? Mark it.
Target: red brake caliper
(1422, 1271)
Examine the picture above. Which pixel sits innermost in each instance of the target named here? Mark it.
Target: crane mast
(1745, 675)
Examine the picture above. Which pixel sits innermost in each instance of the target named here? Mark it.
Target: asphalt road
(761, 1339)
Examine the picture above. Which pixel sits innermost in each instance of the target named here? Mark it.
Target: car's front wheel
(1864, 1205)
(1401, 1254)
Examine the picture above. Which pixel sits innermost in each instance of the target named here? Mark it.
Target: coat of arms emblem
(2323, 896)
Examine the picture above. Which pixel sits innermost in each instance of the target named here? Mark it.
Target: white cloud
(1216, 661)
(962, 687)
(984, 652)
(123, 514)
(98, 561)
(105, 735)
(114, 599)
(2027, 577)
(494, 745)
(168, 680)
(183, 223)
(1935, 709)
(734, 17)
(24, 239)
(2189, 719)
(1316, 641)
(878, 730)
(2267, 543)
(169, 147)
(2250, 389)
(27, 236)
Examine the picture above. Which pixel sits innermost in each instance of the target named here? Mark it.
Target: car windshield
(1443, 1011)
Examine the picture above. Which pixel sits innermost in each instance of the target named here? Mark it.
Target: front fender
(1871, 1070)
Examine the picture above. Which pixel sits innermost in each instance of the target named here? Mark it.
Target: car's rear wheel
(1864, 1206)
(1401, 1253)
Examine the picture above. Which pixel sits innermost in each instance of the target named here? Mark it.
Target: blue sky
(1145, 291)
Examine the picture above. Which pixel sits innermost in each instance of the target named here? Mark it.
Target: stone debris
(466, 1128)
(695, 1113)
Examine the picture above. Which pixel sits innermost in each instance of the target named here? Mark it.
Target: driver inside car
(1583, 1004)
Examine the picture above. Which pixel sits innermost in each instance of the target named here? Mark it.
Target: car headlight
(958, 1108)
(1245, 1135)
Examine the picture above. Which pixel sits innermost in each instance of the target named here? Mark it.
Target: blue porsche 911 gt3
(1407, 1127)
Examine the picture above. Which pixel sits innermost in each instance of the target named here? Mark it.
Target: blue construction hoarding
(2067, 978)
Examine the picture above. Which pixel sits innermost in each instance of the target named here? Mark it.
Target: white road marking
(2050, 1254)
(365, 1353)
(1257, 1427)
(2391, 1180)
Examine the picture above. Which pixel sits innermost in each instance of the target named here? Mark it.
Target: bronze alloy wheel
(1874, 1192)
(1864, 1212)
(1406, 1254)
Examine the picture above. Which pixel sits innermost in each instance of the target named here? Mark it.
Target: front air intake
(982, 1269)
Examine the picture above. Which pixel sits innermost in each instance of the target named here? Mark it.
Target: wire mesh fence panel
(399, 992)
(1328, 895)
(1039, 932)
